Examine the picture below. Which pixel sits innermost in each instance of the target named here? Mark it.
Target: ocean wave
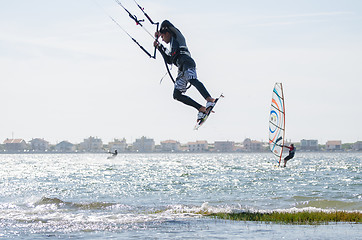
(84, 206)
(305, 215)
(330, 204)
(56, 214)
(206, 209)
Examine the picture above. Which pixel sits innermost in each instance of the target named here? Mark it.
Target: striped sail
(277, 122)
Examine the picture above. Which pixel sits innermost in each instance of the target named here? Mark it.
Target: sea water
(161, 196)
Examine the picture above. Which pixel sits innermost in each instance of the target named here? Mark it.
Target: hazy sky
(68, 72)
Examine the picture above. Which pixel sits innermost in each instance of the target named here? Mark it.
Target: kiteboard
(203, 120)
(111, 157)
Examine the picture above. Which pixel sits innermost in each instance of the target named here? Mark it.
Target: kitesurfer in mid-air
(291, 153)
(113, 154)
(181, 57)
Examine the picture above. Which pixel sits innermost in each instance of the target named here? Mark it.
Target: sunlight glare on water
(82, 194)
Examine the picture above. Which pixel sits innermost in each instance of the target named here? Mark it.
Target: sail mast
(283, 139)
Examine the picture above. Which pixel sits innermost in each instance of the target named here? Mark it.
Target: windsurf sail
(277, 122)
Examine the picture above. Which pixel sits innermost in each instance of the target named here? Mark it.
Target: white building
(39, 145)
(144, 144)
(309, 145)
(64, 147)
(198, 146)
(252, 145)
(119, 145)
(170, 146)
(92, 144)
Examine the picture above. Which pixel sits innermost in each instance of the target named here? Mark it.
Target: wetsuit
(181, 57)
(291, 153)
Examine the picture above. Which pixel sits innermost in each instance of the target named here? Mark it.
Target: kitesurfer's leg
(202, 90)
(181, 87)
(177, 95)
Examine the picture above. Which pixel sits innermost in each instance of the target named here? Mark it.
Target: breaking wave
(59, 203)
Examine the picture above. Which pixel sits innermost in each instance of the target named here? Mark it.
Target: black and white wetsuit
(181, 57)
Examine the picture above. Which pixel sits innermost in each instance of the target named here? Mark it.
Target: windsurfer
(291, 153)
(181, 57)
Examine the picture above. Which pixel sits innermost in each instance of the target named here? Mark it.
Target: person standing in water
(181, 57)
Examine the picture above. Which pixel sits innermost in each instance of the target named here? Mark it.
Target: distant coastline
(148, 145)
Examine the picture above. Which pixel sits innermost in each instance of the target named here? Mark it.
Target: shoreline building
(252, 145)
(15, 145)
(119, 145)
(170, 146)
(39, 145)
(335, 145)
(144, 144)
(357, 146)
(224, 146)
(198, 146)
(309, 145)
(65, 147)
(92, 144)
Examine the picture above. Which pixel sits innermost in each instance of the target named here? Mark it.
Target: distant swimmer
(291, 153)
(181, 57)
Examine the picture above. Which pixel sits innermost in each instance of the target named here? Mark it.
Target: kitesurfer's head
(165, 26)
(165, 31)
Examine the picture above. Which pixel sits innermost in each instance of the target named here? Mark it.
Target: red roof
(13, 141)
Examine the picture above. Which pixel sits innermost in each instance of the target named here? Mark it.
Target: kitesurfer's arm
(161, 48)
